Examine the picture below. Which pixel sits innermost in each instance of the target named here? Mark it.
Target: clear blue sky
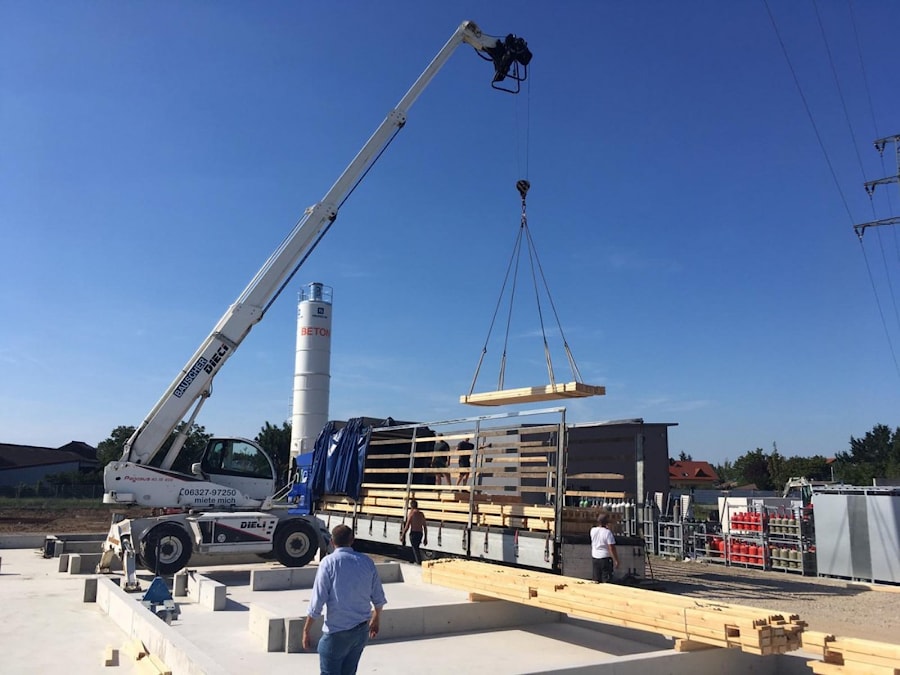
(700, 254)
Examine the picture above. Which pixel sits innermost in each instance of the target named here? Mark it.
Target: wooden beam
(753, 630)
(550, 392)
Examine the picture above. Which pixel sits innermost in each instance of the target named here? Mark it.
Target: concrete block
(282, 578)
(63, 562)
(267, 628)
(83, 563)
(212, 594)
(81, 546)
(176, 651)
(179, 584)
(90, 590)
(293, 629)
(404, 622)
(59, 548)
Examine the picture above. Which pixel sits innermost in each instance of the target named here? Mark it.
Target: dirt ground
(53, 521)
(827, 605)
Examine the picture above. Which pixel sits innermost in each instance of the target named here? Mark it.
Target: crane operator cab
(239, 464)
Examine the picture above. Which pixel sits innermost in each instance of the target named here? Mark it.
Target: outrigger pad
(158, 592)
(550, 392)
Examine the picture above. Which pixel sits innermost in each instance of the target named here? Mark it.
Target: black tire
(295, 543)
(173, 545)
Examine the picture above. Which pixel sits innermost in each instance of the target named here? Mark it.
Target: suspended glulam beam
(550, 392)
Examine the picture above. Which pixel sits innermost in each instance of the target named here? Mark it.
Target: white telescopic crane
(192, 385)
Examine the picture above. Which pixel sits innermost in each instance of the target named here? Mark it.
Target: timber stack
(693, 623)
(851, 656)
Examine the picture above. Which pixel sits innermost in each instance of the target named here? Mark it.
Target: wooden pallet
(691, 622)
(550, 392)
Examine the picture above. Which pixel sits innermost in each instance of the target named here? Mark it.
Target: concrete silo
(312, 371)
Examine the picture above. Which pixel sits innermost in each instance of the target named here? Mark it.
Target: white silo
(312, 371)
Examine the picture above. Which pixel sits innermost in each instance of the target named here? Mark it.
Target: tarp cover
(338, 459)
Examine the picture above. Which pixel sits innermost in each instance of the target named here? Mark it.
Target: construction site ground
(44, 621)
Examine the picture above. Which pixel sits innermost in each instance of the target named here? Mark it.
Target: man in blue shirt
(348, 584)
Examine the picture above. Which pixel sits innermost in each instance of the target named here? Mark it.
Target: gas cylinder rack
(670, 538)
(745, 540)
(791, 542)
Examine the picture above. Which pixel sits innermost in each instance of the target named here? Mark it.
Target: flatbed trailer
(517, 506)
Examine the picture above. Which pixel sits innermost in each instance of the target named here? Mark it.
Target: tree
(191, 451)
(813, 468)
(276, 441)
(876, 455)
(684, 457)
(111, 449)
(725, 471)
(753, 467)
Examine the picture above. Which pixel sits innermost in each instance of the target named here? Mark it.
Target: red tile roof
(692, 472)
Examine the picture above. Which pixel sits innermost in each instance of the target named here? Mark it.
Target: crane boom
(191, 386)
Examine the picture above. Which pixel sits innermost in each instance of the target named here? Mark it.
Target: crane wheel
(165, 549)
(295, 543)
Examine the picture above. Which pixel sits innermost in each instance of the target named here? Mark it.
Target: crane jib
(202, 365)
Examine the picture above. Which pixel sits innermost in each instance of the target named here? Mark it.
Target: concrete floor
(45, 626)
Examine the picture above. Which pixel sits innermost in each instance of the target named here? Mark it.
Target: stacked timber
(850, 656)
(441, 505)
(693, 623)
(444, 506)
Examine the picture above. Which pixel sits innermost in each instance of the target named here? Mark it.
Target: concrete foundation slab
(45, 623)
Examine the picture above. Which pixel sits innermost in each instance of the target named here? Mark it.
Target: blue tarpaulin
(338, 459)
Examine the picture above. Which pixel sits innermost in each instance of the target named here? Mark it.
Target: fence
(52, 491)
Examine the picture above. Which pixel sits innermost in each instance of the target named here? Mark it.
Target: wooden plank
(685, 645)
(596, 476)
(860, 646)
(753, 630)
(153, 665)
(550, 392)
(135, 649)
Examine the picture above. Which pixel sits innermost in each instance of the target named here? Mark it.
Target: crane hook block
(522, 186)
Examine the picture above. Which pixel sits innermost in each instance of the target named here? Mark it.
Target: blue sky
(699, 252)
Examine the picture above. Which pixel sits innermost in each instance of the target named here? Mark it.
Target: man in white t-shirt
(603, 551)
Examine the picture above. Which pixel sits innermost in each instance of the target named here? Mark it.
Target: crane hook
(522, 186)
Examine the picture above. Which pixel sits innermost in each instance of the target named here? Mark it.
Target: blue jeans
(339, 652)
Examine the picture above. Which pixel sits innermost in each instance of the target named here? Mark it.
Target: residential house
(687, 475)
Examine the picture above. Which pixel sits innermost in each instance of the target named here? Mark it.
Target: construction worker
(464, 453)
(603, 550)
(417, 527)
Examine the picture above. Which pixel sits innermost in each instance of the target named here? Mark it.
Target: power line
(828, 160)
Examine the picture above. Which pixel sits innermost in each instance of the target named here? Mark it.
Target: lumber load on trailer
(851, 656)
(444, 506)
(550, 392)
(694, 622)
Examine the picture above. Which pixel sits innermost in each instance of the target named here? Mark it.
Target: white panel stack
(312, 371)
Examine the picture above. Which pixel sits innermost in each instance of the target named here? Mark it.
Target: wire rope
(831, 170)
(837, 84)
